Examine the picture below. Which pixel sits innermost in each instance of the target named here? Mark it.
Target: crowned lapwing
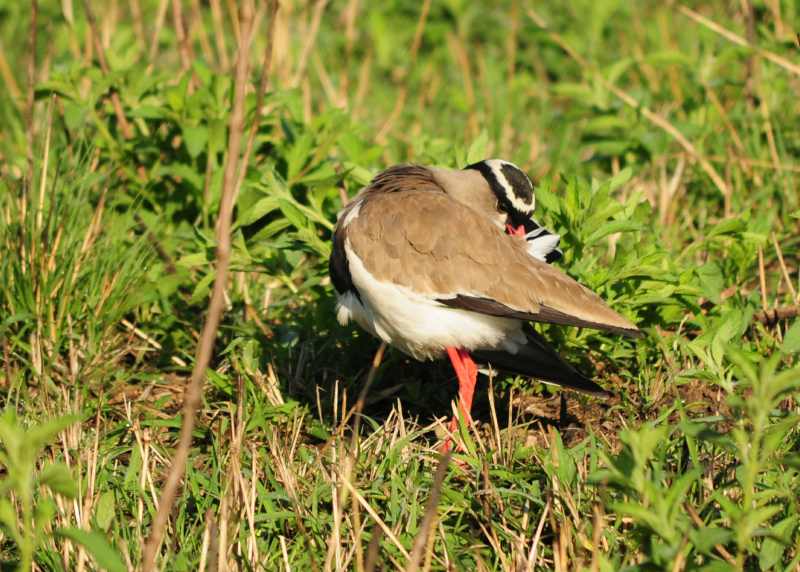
(450, 262)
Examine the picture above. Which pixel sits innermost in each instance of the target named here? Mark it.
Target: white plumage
(417, 324)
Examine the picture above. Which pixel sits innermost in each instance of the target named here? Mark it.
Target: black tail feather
(537, 359)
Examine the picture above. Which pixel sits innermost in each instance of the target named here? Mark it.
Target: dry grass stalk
(198, 26)
(651, 116)
(737, 141)
(423, 539)
(334, 543)
(138, 24)
(771, 317)
(184, 45)
(512, 42)
(308, 45)
(378, 520)
(738, 40)
(8, 78)
(331, 93)
(350, 20)
(29, 102)
(161, 15)
(282, 456)
(756, 163)
(762, 280)
(194, 391)
(219, 35)
(669, 191)
(700, 524)
(206, 546)
(401, 98)
(266, 69)
(124, 127)
(45, 164)
(237, 28)
(784, 269)
(459, 53)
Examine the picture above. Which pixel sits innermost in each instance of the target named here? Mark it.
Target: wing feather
(426, 241)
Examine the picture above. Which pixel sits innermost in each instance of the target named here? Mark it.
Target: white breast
(417, 324)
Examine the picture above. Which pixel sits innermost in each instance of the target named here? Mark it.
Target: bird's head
(511, 187)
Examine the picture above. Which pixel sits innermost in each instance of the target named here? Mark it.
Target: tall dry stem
(194, 392)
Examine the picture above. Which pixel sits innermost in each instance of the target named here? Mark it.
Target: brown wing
(438, 247)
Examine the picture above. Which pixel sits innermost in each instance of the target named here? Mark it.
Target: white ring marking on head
(496, 165)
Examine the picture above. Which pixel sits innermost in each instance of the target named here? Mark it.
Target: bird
(441, 262)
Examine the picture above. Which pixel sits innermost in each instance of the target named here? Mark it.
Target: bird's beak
(515, 230)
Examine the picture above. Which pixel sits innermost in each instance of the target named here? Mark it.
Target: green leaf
(668, 57)
(298, 155)
(44, 513)
(791, 339)
(291, 212)
(104, 512)
(43, 434)
(262, 207)
(603, 124)
(645, 517)
(706, 538)
(98, 547)
(8, 518)
(620, 179)
(728, 226)
(775, 545)
(675, 494)
(612, 227)
(58, 478)
(193, 260)
(201, 288)
(195, 139)
(711, 281)
(477, 151)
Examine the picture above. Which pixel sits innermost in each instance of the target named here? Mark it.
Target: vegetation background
(664, 139)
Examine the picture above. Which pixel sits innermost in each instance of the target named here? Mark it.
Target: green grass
(106, 264)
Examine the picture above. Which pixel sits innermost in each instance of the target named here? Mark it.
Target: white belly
(418, 325)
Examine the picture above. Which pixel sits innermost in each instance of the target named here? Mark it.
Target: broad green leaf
(611, 228)
(59, 479)
(605, 124)
(728, 226)
(8, 518)
(195, 139)
(40, 435)
(791, 339)
(772, 550)
(262, 207)
(707, 537)
(293, 214)
(711, 280)
(105, 510)
(193, 260)
(97, 546)
(478, 149)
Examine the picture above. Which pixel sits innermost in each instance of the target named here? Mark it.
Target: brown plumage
(412, 233)
(423, 258)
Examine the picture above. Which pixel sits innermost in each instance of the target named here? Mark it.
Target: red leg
(466, 389)
(467, 374)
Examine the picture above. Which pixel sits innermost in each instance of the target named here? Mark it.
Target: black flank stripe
(339, 268)
(553, 256)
